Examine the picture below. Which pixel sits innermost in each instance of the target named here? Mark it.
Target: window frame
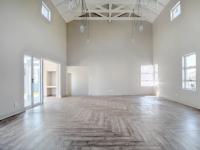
(185, 68)
(173, 9)
(49, 15)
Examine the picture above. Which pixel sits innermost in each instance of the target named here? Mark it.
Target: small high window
(176, 11)
(46, 12)
(147, 75)
(189, 72)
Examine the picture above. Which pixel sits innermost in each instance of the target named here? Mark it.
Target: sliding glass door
(32, 81)
(36, 81)
(27, 81)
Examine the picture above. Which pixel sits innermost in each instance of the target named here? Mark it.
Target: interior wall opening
(51, 76)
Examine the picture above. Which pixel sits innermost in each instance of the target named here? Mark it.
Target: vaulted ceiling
(113, 10)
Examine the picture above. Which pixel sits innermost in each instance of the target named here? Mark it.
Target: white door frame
(58, 77)
(32, 80)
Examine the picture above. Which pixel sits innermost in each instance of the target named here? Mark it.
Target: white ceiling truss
(110, 10)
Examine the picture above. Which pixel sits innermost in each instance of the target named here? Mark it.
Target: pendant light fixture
(85, 15)
(139, 9)
(88, 32)
(133, 25)
(155, 2)
(72, 4)
(82, 28)
(137, 25)
(141, 27)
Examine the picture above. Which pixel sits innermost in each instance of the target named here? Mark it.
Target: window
(189, 72)
(147, 76)
(156, 78)
(176, 11)
(46, 12)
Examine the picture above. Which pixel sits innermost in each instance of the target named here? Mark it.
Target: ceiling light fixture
(141, 28)
(155, 3)
(150, 3)
(139, 13)
(133, 25)
(72, 4)
(82, 28)
(84, 15)
(137, 25)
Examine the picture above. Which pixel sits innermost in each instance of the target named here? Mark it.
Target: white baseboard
(120, 93)
(179, 101)
(4, 116)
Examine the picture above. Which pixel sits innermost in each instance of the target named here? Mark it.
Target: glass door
(36, 81)
(27, 81)
(32, 81)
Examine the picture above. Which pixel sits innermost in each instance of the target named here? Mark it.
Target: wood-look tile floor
(103, 123)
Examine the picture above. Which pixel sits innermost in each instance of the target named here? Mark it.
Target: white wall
(172, 40)
(78, 81)
(24, 31)
(113, 60)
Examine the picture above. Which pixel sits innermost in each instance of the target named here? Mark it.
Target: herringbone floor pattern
(103, 123)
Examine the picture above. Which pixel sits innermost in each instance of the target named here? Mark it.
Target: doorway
(51, 84)
(32, 81)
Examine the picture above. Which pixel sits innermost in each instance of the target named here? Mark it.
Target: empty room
(99, 75)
